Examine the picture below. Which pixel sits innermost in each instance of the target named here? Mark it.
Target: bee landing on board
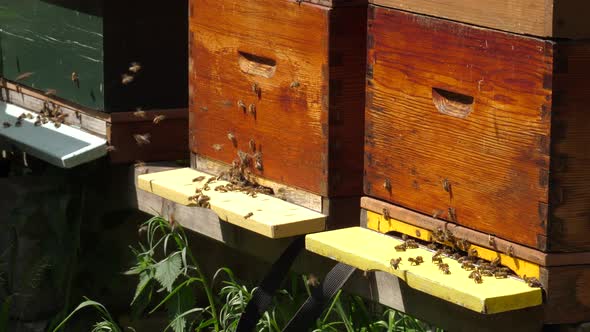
(159, 119)
(142, 139)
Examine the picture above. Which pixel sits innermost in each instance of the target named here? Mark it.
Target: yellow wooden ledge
(377, 222)
(369, 250)
(271, 217)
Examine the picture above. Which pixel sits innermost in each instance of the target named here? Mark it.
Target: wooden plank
(494, 157)
(378, 286)
(568, 294)
(262, 214)
(168, 138)
(552, 18)
(369, 250)
(379, 223)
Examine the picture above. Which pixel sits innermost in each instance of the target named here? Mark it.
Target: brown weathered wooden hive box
(283, 82)
(480, 127)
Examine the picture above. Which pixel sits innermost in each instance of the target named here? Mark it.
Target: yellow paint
(271, 217)
(377, 222)
(369, 250)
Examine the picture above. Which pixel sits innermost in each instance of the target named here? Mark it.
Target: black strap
(313, 307)
(262, 297)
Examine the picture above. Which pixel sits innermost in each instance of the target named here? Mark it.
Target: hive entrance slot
(451, 103)
(257, 65)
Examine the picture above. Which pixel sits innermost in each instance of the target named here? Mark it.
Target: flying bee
(159, 118)
(444, 268)
(416, 261)
(476, 276)
(24, 76)
(248, 215)
(126, 79)
(312, 281)
(139, 113)
(199, 178)
(142, 139)
(395, 262)
(400, 247)
(6, 125)
(134, 67)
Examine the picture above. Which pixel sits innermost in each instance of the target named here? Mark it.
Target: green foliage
(165, 260)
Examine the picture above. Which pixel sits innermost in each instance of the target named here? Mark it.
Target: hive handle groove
(256, 65)
(452, 103)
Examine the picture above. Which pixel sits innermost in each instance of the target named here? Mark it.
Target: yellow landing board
(369, 250)
(270, 216)
(377, 222)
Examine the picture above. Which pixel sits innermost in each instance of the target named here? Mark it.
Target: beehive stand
(270, 216)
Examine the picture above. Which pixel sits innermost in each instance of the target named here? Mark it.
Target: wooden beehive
(482, 128)
(551, 18)
(286, 77)
(73, 55)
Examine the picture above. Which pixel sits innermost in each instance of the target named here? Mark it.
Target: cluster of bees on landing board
(478, 268)
(49, 113)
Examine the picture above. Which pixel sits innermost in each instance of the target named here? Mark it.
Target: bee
(142, 139)
(486, 272)
(496, 261)
(6, 125)
(241, 105)
(472, 252)
(395, 262)
(476, 276)
(462, 244)
(256, 89)
(448, 236)
(217, 147)
(252, 109)
(387, 185)
(400, 247)
(444, 268)
(405, 237)
(24, 76)
(126, 79)
(159, 118)
(18, 123)
(232, 138)
(135, 67)
(110, 148)
(139, 113)
(203, 199)
(432, 246)
(467, 265)
(30, 116)
(258, 161)
(500, 274)
(491, 241)
(452, 214)
(248, 215)
(456, 255)
(199, 178)
(57, 124)
(446, 185)
(416, 261)
(139, 163)
(411, 244)
(39, 123)
(75, 78)
(511, 251)
(386, 214)
(294, 84)
(436, 258)
(312, 281)
(50, 92)
(439, 235)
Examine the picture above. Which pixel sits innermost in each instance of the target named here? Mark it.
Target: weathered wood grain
(486, 171)
(305, 88)
(551, 18)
